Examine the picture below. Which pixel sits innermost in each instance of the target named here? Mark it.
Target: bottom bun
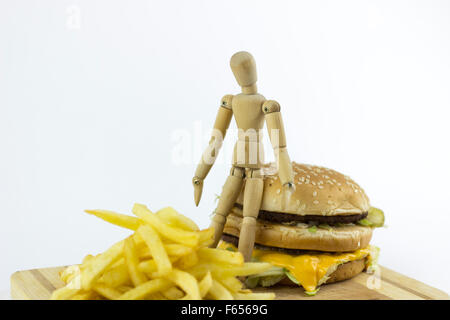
(343, 272)
(338, 239)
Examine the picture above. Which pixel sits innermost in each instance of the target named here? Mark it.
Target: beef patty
(280, 217)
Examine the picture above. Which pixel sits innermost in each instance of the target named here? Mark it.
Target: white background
(94, 95)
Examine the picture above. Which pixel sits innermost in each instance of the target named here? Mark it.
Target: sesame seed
(314, 193)
(316, 202)
(320, 187)
(278, 191)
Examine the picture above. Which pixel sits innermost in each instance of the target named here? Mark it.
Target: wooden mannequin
(250, 109)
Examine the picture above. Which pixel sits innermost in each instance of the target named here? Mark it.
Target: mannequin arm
(209, 156)
(277, 136)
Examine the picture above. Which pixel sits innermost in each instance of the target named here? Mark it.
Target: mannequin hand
(198, 188)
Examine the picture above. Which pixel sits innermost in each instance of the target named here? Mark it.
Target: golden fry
(106, 291)
(206, 237)
(173, 293)
(170, 216)
(95, 267)
(219, 292)
(132, 262)
(121, 220)
(116, 275)
(205, 284)
(220, 256)
(187, 261)
(70, 290)
(145, 289)
(177, 235)
(231, 283)
(186, 282)
(172, 249)
(254, 296)
(153, 241)
(246, 269)
(69, 273)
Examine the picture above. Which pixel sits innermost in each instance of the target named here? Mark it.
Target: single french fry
(117, 275)
(246, 269)
(146, 289)
(87, 258)
(254, 296)
(64, 293)
(219, 292)
(124, 288)
(172, 249)
(178, 250)
(159, 254)
(132, 262)
(186, 282)
(69, 273)
(173, 293)
(148, 266)
(68, 291)
(187, 261)
(205, 284)
(228, 270)
(206, 237)
(118, 219)
(220, 256)
(231, 283)
(85, 295)
(177, 235)
(95, 267)
(106, 291)
(156, 296)
(170, 216)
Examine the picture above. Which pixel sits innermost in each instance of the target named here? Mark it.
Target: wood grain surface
(38, 284)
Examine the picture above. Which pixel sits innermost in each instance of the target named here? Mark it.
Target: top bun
(318, 191)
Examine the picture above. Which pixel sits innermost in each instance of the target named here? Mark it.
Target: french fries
(166, 257)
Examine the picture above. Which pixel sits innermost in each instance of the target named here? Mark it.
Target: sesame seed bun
(337, 239)
(319, 191)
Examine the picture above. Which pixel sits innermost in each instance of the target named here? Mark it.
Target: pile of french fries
(167, 257)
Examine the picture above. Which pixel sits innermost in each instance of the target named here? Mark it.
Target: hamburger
(318, 236)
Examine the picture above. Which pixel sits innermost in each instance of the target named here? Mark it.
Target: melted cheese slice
(310, 270)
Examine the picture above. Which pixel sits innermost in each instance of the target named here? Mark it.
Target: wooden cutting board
(38, 284)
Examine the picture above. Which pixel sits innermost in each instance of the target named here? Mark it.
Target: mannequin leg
(230, 193)
(252, 203)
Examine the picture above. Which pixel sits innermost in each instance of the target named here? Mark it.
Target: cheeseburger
(320, 235)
